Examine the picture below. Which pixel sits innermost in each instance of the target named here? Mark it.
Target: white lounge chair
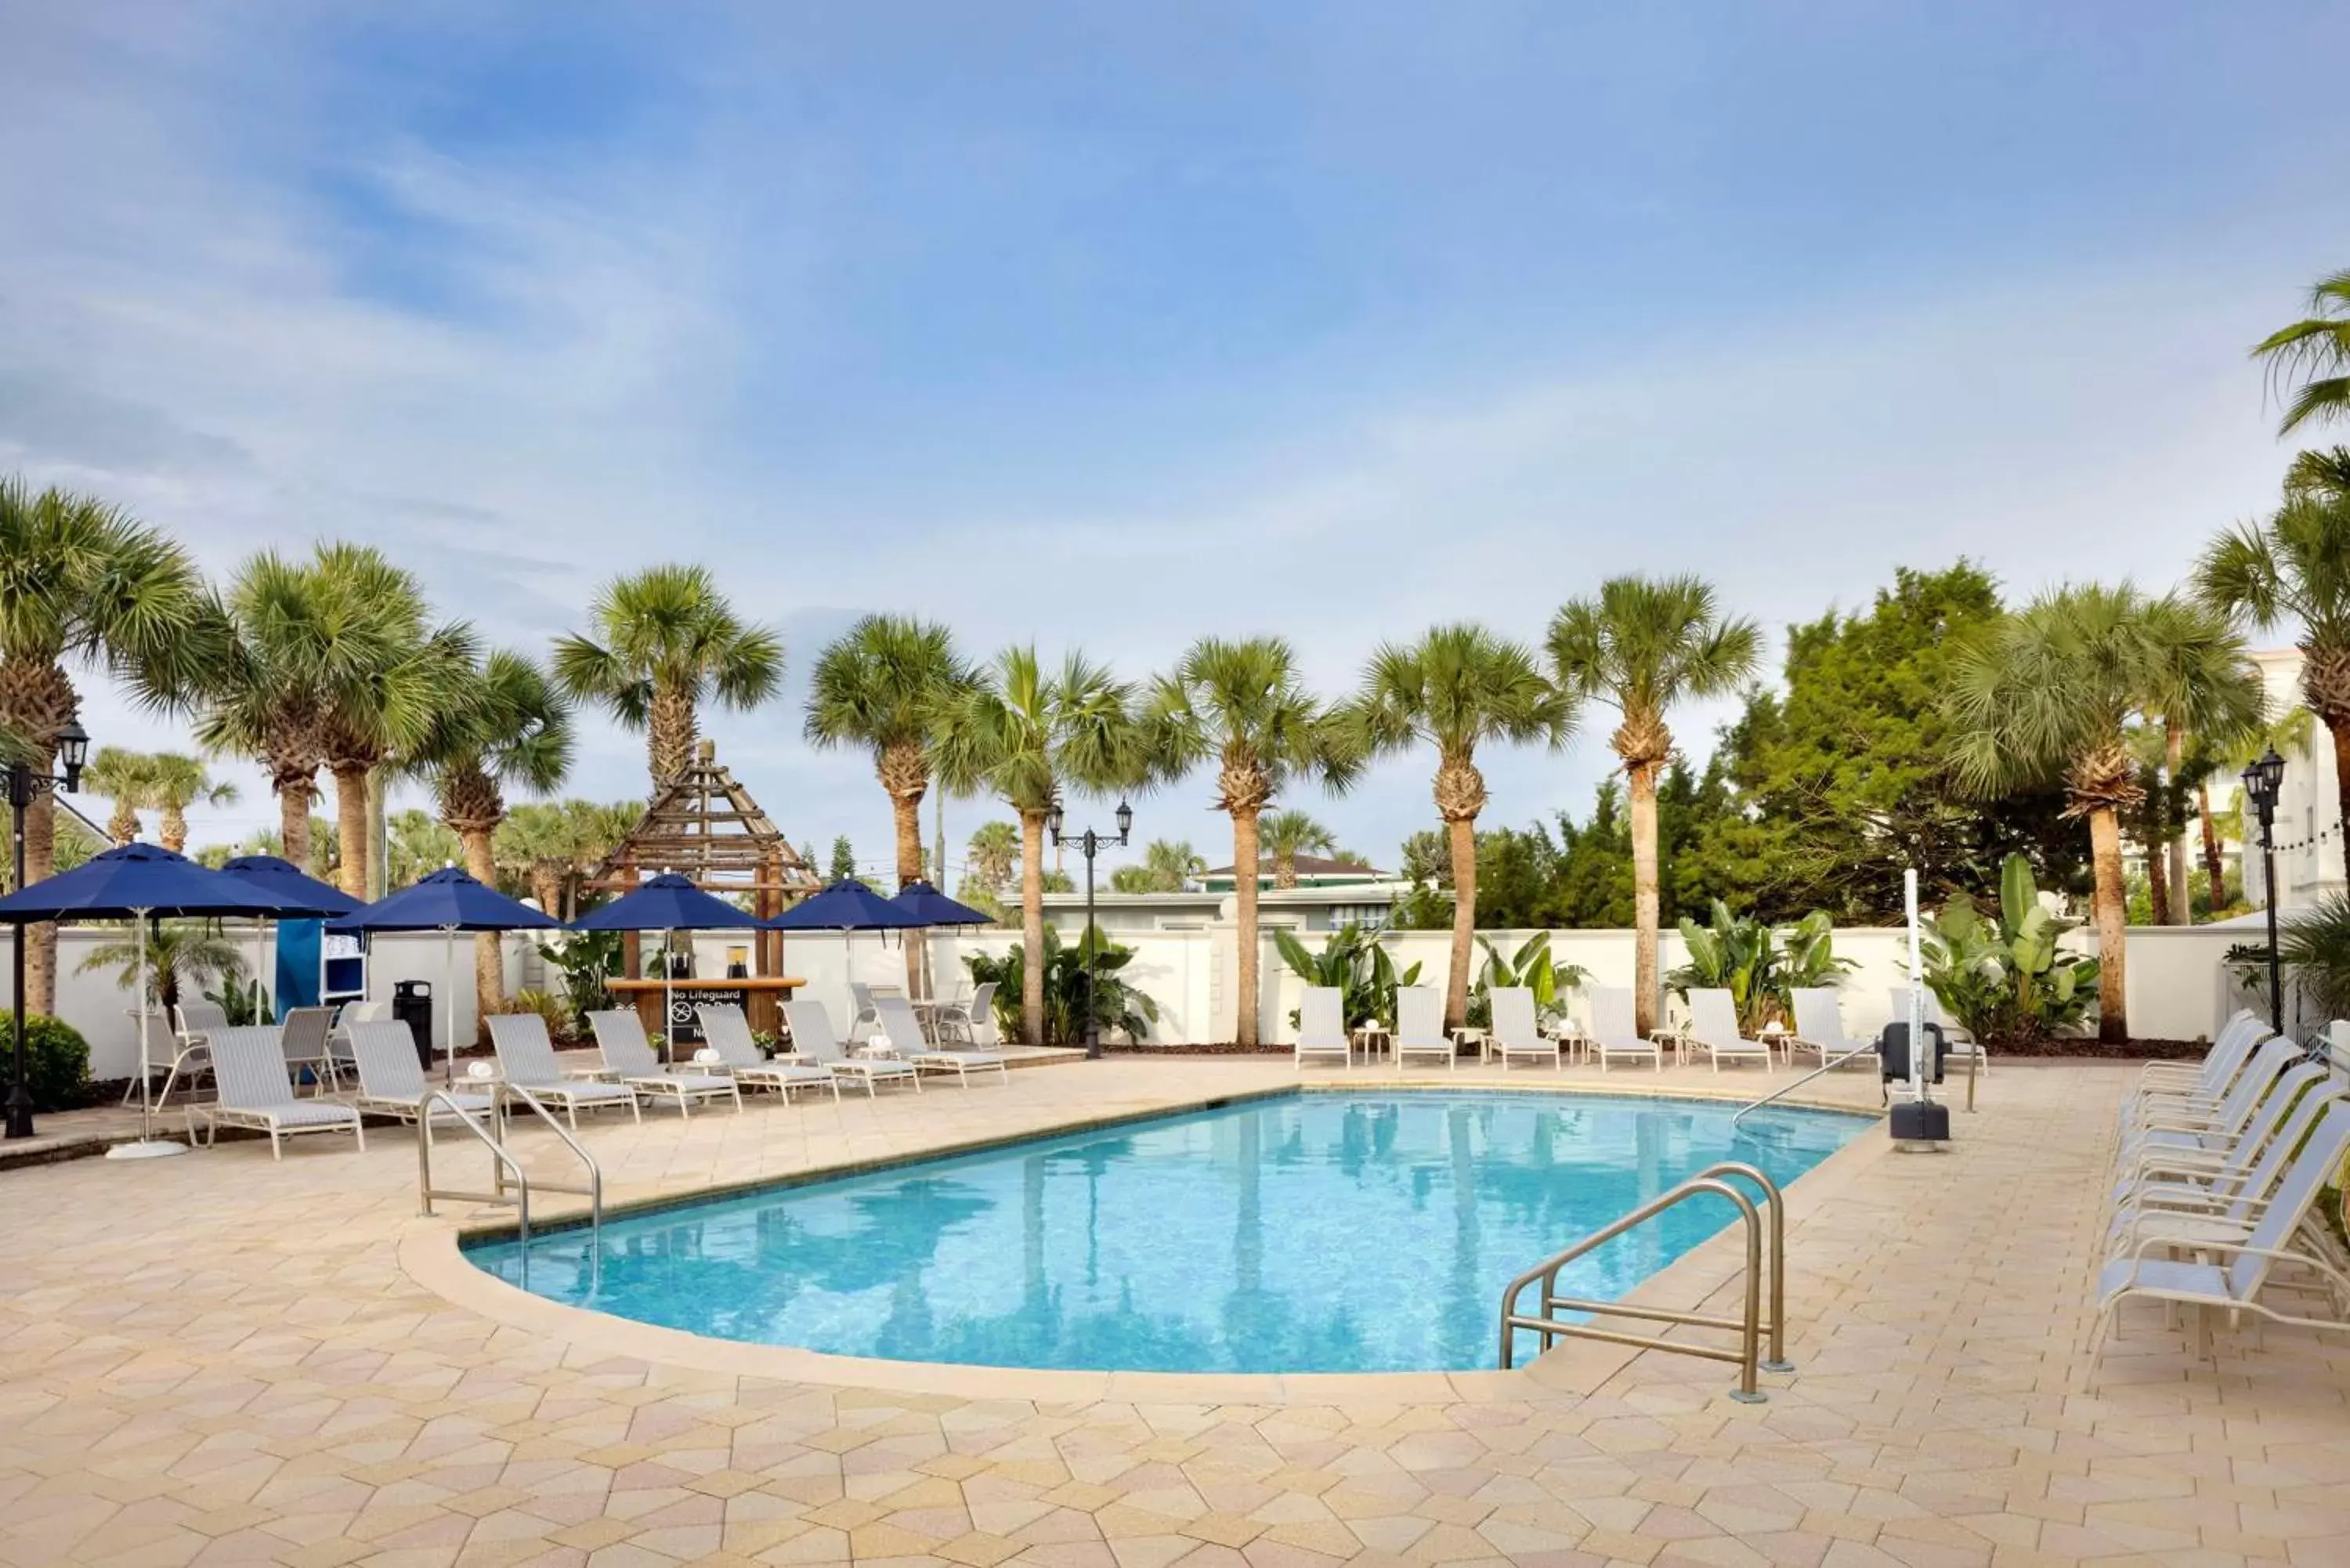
(1957, 1044)
(1516, 1031)
(1322, 1028)
(630, 1056)
(391, 1079)
(728, 1032)
(338, 1038)
(903, 1032)
(249, 1067)
(1713, 1029)
(2181, 1155)
(1420, 1026)
(526, 1056)
(812, 1032)
(1616, 1029)
(2203, 1082)
(864, 1020)
(2218, 1127)
(191, 1055)
(303, 1038)
(1819, 1029)
(2235, 1285)
(2184, 1204)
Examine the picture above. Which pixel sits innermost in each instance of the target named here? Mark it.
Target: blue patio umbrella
(935, 908)
(274, 874)
(666, 903)
(139, 882)
(849, 905)
(447, 902)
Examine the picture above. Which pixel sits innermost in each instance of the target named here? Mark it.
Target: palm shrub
(2315, 946)
(1356, 963)
(1117, 1005)
(180, 953)
(584, 960)
(1760, 968)
(57, 1063)
(1532, 967)
(243, 1003)
(2002, 975)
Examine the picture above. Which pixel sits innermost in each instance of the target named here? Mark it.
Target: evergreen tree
(844, 860)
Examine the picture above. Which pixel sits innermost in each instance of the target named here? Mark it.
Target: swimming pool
(1324, 1231)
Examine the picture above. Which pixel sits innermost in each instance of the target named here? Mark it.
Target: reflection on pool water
(1315, 1233)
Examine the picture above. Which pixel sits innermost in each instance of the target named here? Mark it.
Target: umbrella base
(146, 1149)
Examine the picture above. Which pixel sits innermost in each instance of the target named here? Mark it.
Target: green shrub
(57, 1063)
(2001, 974)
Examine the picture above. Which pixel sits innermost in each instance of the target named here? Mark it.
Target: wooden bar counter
(760, 998)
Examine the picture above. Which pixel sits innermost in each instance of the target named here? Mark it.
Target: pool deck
(217, 1359)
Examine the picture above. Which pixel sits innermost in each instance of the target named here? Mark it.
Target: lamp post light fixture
(24, 786)
(2263, 780)
(1089, 844)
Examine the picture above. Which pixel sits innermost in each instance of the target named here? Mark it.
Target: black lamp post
(1090, 843)
(24, 786)
(2263, 781)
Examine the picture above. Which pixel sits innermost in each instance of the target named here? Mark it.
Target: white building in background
(1369, 904)
(2309, 804)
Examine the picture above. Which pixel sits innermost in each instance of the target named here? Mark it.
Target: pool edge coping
(432, 1253)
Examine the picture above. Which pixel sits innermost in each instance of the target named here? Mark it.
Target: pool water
(1356, 1232)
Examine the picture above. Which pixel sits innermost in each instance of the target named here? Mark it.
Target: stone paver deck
(217, 1359)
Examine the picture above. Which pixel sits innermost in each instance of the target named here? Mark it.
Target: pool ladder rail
(1750, 1326)
(505, 1168)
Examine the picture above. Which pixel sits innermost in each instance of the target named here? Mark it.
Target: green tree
(1459, 687)
(1171, 863)
(1285, 836)
(1244, 705)
(2315, 350)
(2295, 569)
(179, 781)
(2201, 690)
(1022, 735)
(416, 843)
(128, 779)
(84, 584)
(994, 850)
(665, 642)
(532, 848)
(843, 865)
(182, 956)
(1641, 645)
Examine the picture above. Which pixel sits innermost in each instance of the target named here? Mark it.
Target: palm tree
(1243, 704)
(82, 582)
(1283, 836)
(665, 642)
(2200, 682)
(1644, 644)
(2318, 349)
(179, 781)
(1456, 688)
(1022, 735)
(128, 779)
(1171, 863)
(2295, 569)
(882, 686)
(504, 726)
(180, 954)
(994, 849)
(595, 830)
(416, 843)
(535, 843)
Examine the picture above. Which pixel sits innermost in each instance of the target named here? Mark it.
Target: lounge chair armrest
(2245, 1248)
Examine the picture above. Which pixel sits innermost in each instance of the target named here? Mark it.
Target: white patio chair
(1713, 1029)
(1322, 1028)
(1616, 1029)
(1957, 1044)
(2203, 1082)
(630, 1056)
(864, 1020)
(2215, 1128)
(1515, 1032)
(2235, 1284)
(1420, 1026)
(338, 1038)
(303, 1038)
(191, 1056)
(2185, 1205)
(249, 1069)
(2178, 1155)
(391, 1080)
(728, 1032)
(971, 1020)
(812, 1030)
(903, 1031)
(526, 1057)
(1819, 1029)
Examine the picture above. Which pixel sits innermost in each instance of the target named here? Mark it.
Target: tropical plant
(1458, 688)
(1022, 735)
(1172, 864)
(2316, 350)
(179, 953)
(994, 851)
(1245, 705)
(1356, 963)
(1283, 835)
(2196, 693)
(1641, 645)
(243, 1003)
(532, 848)
(2314, 944)
(2295, 569)
(1761, 969)
(1119, 1007)
(1133, 879)
(2003, 976)
(585, 961)
(56, 1064)
(416, 844)
(563, 1024)
(128, 779)
(665, 642)
(83, 583)
(179, 782)
(1550, 980)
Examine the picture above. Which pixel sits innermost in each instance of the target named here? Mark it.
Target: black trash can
(411, 1004)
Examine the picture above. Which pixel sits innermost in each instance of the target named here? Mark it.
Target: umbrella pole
(148, 1146)
(668, 1001)
(449, 1015)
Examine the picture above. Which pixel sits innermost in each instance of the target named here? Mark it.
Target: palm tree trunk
(1641, 787)
(2157, 879)
(907, 781)
(489, 967)
(2340, 731)
(1031, 927)
(2174, 751)
(2109, 905)
(123, 826)
(2215, 864)
(40, 860)
(1284, 871)
(175, 830)
(1245, 853)
(294, 797)
(669, 735)
(350, 829)
(1463, 834)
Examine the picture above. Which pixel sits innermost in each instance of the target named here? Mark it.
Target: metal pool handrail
(1748, 1325)
(1863, 1050)
(503, 1164)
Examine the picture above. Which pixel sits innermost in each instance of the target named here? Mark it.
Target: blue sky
(1110, 325)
